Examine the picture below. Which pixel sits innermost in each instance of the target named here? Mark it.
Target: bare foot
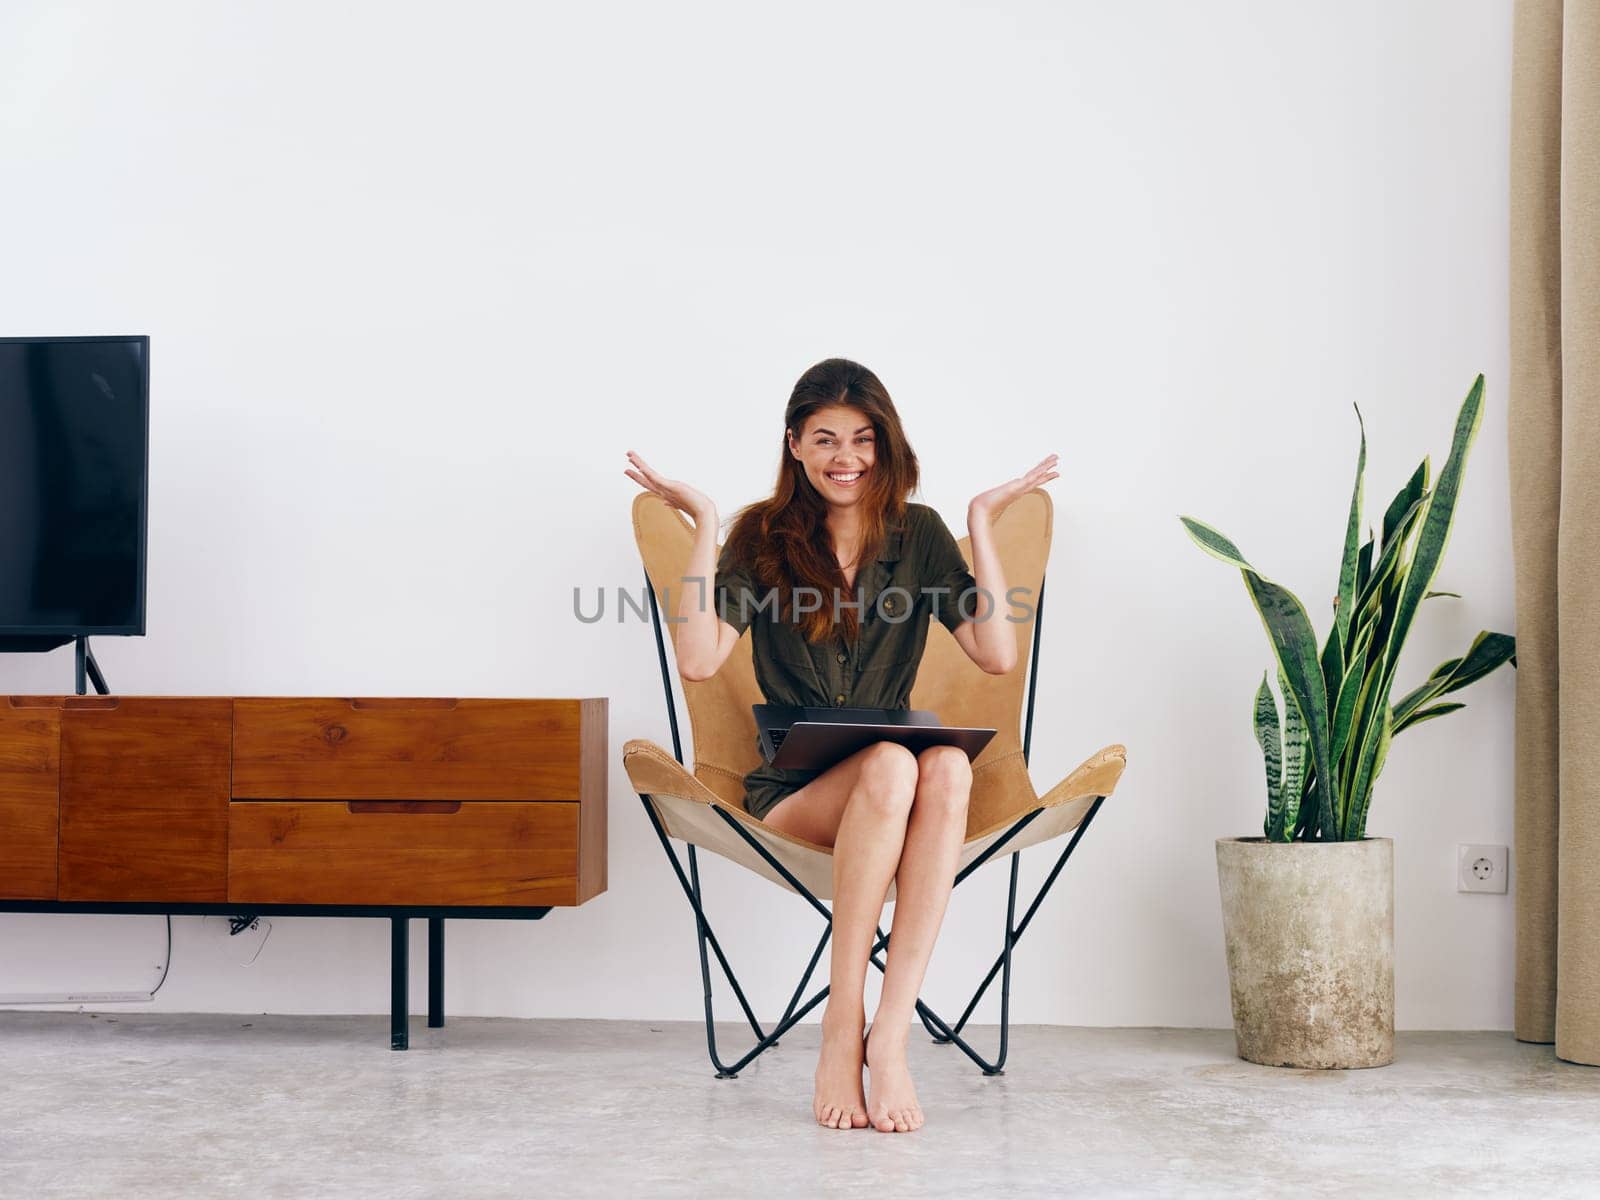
(840, 1102)
(893, 1106)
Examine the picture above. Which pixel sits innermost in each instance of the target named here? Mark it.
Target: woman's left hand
(997, 499)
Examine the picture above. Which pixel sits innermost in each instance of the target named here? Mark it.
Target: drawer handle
(399, 703)
(403, 806)
(91, 702)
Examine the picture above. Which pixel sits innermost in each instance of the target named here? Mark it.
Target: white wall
(417, 276)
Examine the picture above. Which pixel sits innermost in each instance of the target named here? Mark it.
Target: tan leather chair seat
(948, 682)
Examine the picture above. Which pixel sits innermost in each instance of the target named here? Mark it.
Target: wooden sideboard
(306, 806)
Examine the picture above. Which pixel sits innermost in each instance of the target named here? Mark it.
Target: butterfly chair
(704, 808)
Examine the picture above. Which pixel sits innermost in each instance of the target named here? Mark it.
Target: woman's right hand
(701, 643)
(676, 493)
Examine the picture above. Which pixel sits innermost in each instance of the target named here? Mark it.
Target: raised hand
(995, 501)
(676, 493)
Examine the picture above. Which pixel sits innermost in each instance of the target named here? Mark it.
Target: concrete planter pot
(1310, 935)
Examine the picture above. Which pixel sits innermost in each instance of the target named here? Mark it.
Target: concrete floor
(166, 1105)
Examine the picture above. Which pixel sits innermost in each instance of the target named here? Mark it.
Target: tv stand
(86, 664)
(87, 669)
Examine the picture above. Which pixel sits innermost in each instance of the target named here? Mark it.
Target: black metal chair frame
(941, 1031)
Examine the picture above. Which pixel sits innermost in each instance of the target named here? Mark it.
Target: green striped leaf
(1438, 710)
(1345, 701)
(1385, 735)
(1359, 727)
(1379, 612)
(1215, 543)
(1486, 654)
(1393, 554)
(1306, 822)
(1294, 644)
(1435, 534)
(1415, 489)
(1268, 738)
(1368, 762)
(1364, 565)
(1344, 606)
(1332, 665)
(1295, 747)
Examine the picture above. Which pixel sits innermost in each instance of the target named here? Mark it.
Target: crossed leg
(937, 827)
(889, 815)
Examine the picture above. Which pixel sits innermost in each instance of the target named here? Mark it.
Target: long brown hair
(785, 540)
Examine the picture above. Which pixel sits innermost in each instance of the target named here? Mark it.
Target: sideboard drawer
(144, 798)
(403, 853)
(30, 782)
(397, 749)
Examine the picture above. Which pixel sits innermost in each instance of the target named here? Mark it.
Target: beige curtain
(1555, 500)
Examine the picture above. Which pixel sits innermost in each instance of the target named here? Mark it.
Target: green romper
(919, 573)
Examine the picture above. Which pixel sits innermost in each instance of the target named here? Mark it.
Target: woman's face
(836, 449)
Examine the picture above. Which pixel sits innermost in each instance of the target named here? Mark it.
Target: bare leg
(933, 840)
(868, 807)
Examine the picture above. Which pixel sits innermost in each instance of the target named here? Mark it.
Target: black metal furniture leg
(435, 972)
(723, 1072)
(999, 1065)
(399, 954)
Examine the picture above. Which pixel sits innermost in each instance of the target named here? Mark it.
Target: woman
(836, 576)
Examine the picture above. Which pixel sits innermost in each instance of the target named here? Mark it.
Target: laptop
(814, 739)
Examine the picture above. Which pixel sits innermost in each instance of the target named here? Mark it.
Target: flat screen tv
(74, 465)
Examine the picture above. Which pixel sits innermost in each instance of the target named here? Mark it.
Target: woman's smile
(836, 447)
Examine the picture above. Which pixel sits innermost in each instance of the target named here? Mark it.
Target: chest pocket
(788, 648)
(887, 665)
(788, 659)
(885, 682)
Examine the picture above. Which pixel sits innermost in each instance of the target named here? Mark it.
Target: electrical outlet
(1481, 868)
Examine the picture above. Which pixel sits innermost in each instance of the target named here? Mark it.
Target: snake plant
(1327, 748)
